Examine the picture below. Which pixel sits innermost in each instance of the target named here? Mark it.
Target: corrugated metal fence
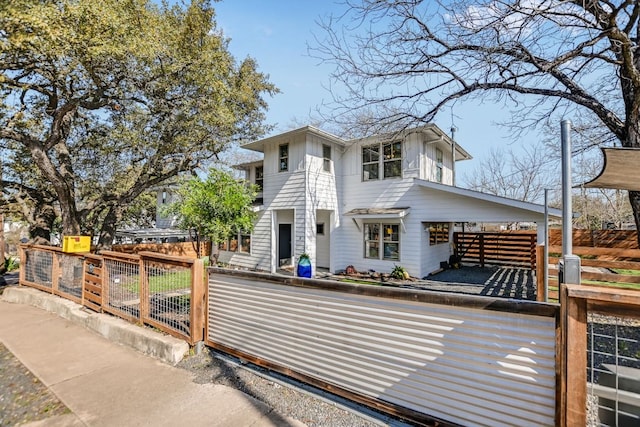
(429, 357)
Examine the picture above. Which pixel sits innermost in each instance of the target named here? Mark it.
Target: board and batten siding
(445, 356)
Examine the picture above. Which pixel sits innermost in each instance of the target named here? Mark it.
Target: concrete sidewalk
(107, 384)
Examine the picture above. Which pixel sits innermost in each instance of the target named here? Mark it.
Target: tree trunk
(109, 226)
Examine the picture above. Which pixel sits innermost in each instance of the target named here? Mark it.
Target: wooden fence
(620, 239)
(166, 292)
(507, 248)
(183, 249)
(577, 302)
(598, 265)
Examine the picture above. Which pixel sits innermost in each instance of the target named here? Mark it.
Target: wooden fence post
(197, 302)
(22, 273)
(481, 250)
(573, 318)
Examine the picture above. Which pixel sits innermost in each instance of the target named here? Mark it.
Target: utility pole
(453, 155)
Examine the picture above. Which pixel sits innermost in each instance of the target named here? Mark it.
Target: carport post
(569, 266)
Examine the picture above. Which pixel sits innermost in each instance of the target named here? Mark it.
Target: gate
(424, 356)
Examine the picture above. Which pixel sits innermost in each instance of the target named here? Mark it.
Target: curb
(164, 347)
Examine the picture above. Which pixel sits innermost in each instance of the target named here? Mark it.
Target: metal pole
(546, 245)
(569, 268)
(453, 155)
(567, 215)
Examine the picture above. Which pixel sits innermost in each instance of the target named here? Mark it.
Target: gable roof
(259, 144)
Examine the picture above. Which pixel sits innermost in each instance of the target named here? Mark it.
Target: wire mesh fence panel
(169, 295)
(122, 279)
(70, 275)
(613, 369)
(39, 267)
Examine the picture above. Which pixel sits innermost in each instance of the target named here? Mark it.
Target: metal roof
(378, 212)
(499, 200)
(155, 233)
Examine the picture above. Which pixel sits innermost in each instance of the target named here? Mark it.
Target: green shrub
(11, 264)
(399, 273)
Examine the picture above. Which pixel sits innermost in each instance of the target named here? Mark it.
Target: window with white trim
(283, 156)
(387, 165)
(439, 165)
(259, 177)
(379, 236)
(326, 158)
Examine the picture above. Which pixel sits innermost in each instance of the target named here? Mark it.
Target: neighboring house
(165, 230)
(372, 203)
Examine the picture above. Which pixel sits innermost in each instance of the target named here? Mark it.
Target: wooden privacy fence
(163, 291)
(432, 358)
(621, 239)
(507, 248)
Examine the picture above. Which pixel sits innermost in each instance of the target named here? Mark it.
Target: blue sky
(276, 34)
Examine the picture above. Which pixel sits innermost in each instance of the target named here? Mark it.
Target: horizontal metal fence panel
(466, 366)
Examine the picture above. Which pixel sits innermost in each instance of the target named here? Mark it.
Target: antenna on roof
(453, 150)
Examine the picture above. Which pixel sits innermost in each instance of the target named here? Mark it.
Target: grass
(626, 271)
(163, 282)
(635, 286)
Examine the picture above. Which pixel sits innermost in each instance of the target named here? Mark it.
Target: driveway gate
(425, 356)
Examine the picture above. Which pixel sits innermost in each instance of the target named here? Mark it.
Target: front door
(284, 244)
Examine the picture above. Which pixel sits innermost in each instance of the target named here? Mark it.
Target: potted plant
(304, 265)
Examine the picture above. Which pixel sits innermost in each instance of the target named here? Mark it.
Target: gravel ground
(288, 397)
(23, 397)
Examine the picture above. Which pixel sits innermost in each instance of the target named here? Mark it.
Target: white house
(372, 203)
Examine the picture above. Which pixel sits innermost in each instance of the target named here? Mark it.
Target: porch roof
(372, 213)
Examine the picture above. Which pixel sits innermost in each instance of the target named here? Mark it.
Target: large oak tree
(102, 100)
(542, 59)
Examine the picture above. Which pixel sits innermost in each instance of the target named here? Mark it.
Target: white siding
(260, 256)
(323, 240)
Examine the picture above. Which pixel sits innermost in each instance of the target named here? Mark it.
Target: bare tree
(518, 175)
(541, 59)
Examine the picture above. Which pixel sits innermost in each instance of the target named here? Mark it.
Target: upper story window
(370, 162)
(439, 164)
(283, 156)
(392, 159)
(164, 197)
(259, 177)
(389, 165)
(326, 158)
